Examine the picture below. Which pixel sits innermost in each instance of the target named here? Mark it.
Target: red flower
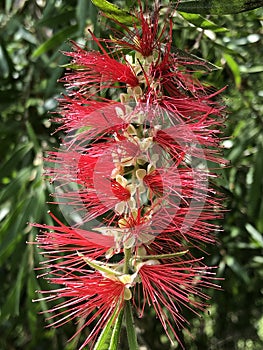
(119, 191)
(89, 296)
(173, 287)
(154, 181)
(92, 116)
(65, 239)
(95, 68)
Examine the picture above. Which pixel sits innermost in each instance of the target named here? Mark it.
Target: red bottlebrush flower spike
(132, 181)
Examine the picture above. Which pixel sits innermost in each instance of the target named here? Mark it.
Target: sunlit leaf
(255, 235)
(251, 70)
(218, 7)
(202, 22)
(234, 67)
(115, 12)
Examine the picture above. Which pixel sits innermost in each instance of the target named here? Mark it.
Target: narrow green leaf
(18, 155)
(164, 256)
(13, 188)
(104, 339)
(56, 40)
(4, 68)
(13, 228)
(116, 332)
(238, 269)
(115, 12)
(201, 22)
(11, 307)
(255, 235)
(130, 327)
(218, 7)
(72, 66)
(251, 70)
(33, 136)
(82, 14)
(234, 67)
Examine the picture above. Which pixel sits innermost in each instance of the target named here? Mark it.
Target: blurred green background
(32, 35)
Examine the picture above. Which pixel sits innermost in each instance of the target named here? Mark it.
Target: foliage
(32, 35)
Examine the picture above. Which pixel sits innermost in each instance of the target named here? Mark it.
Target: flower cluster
(132, 181)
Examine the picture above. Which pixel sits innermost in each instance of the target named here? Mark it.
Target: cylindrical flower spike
(132, 181)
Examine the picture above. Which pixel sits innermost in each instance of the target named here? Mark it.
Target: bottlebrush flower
(131, 178)
(169, 286)
(90, 296)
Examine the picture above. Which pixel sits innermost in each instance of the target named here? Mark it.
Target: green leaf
(115, 12)
(234, 67)
(201, 22)
(255, 235)
(218, 7)
(12, 304)
(82, 14)
(13, 188)
(104, 340)
(130, 327)
(4, 62)
(236, 267)
(56, 40)
(116, 332)
(18, 155)
(251, 70)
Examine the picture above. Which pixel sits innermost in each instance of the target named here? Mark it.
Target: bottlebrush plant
(132, 181)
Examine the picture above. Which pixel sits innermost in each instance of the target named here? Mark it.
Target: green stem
(132, 338)
(127, 256)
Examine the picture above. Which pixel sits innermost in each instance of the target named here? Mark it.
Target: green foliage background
(32, 34)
